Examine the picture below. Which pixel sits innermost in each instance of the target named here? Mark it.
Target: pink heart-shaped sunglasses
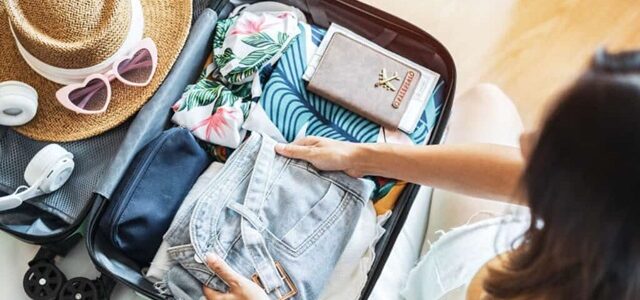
(94, 94)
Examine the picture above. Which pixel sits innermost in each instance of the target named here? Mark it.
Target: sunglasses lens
(92, 97)
(138, 69)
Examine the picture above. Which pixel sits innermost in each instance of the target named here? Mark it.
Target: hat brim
(166, 22)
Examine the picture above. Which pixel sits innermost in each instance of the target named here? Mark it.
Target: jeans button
(197, 259)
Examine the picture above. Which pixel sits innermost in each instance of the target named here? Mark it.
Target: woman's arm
(480, 170)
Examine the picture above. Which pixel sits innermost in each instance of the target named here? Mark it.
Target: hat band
(70, 76)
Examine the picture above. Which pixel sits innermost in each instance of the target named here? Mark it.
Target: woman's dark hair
(582, 183)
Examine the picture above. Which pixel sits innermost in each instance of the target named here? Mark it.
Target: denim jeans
(278, 221)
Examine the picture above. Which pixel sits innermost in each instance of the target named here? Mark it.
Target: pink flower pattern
(248, 25)
(216, 121)
(284, 15)
(176, 105)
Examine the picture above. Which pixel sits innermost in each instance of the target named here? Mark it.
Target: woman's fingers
(240, 288)
(212, 294)
(294, 151)
(307, 141)
(300, 149)
(223, 270)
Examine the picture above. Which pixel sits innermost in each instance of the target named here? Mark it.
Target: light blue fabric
(291, 107)
(454, 259)
(256, 212)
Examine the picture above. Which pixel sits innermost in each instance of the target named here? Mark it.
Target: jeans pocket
(302, 207)
(317, 221)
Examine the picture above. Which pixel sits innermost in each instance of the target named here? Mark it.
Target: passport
(369, 80)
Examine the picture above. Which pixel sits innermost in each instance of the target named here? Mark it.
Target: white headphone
(18, 103)
(47, 171)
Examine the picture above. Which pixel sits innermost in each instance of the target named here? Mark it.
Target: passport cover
(365, 81)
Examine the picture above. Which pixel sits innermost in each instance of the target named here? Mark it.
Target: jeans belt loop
(251, 226)
(248, 215)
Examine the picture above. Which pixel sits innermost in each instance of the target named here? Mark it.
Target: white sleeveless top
(453, 260)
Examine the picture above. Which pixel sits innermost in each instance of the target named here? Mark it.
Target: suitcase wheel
(79, 288)
(43, 281)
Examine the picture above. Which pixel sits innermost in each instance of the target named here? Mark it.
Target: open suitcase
(384, 29)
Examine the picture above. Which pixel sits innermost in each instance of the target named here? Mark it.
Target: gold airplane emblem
(385, 81)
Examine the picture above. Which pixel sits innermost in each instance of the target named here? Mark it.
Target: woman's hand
(324, 154)
(240, 288)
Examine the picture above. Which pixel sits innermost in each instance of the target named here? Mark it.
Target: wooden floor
(530, 48)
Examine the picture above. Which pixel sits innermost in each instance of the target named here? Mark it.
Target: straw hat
(85, 35)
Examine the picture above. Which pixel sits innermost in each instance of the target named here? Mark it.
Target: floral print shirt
(215, 107)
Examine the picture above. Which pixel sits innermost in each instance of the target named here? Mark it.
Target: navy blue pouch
(155, 184)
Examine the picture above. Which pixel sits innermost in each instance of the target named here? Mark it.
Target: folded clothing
(255, 213)
(142, 207)
(348, 277)
(298, 112)
(211, 111)
(244, 46)
(270, 6)
(388, 199)
(292, 108)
